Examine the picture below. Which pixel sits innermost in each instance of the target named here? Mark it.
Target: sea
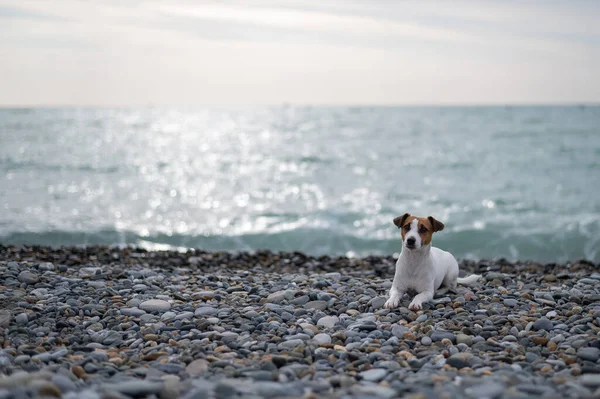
(514, 182)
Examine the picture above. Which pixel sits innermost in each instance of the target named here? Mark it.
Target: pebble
(22, 318)
(488, 391)
(134, 388)
(319, 305)
(373, 375)
(510, 302)
(327, 321)
(437, 336)
(134, 312)
(464, 339)
(459, 360)
(28, 277)
(398, 330)
(591, 354)
(205, 311)
(322, 339)
(101, 323)
(543, 324)
(590, 380)
(155, 305)
(64, 383)
(5, 318)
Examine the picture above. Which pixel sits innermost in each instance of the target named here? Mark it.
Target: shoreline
(49, 253)
(100, 322)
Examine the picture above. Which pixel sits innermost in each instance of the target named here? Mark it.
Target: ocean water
(515, 182)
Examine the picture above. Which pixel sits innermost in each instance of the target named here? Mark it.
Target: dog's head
(417, 231)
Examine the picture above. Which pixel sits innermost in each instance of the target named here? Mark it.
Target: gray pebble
(510, 302)
(28, 277)
(322, 339)
(133, 312)
(373, 375)
(155, 305)
(327, 321)
(319, 305)
(591, 354)
(438, 335)
(489, 390)
(206, 311)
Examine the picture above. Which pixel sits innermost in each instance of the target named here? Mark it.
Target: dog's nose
(411, 240)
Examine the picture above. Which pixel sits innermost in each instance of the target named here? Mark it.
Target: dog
(421, 267)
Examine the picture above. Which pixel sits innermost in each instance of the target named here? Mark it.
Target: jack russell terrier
(421, 267)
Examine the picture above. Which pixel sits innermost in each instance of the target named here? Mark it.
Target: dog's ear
(400, 220)
(435, 224)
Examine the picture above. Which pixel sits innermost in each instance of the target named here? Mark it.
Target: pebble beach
(103, 322)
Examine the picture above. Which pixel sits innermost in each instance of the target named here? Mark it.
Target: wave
(9, 164)
(466, 244)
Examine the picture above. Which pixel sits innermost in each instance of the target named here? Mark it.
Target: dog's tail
(470, 280)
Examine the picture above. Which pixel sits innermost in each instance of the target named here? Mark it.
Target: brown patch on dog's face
(402, 221)
(425, 230)
(417, 231)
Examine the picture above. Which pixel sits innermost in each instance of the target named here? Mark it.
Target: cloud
(12, 12)
(301, 51)
(314, 21)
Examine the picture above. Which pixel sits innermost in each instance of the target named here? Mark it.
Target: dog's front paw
(415, 305)
(393, 302)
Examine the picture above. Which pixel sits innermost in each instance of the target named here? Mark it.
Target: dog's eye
(407, 227)
(423, 230)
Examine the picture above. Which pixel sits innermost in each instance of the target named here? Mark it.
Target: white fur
(424, 269)
(414, 232)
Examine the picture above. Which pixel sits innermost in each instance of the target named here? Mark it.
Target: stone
(280, 296)
(319, 305)
(28, 277)
(197, 367)
(464, 339)
(237, 326)
(327, 321)
(133, 312)
(490, 390)
(439, 335)
(290, 344)
(22, 319)
(135, 388)
(591, 354)
(398, 330)
(590, 380)
(322, 339)
(510, 302)
(373, 375)
(5, 318)
(48, 389)
(378, 302)
(459, 360)
(155, 305)
(21, 359)
(301, 300)
(269, 389)
(46, 266)
(205, 311)
(542, 324)
(64, 383)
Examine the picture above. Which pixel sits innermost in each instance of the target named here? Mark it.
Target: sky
(299, 52)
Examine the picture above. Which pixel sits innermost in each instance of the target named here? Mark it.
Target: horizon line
(305, 105)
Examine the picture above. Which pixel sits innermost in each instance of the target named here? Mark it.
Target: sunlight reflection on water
(311, 179)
